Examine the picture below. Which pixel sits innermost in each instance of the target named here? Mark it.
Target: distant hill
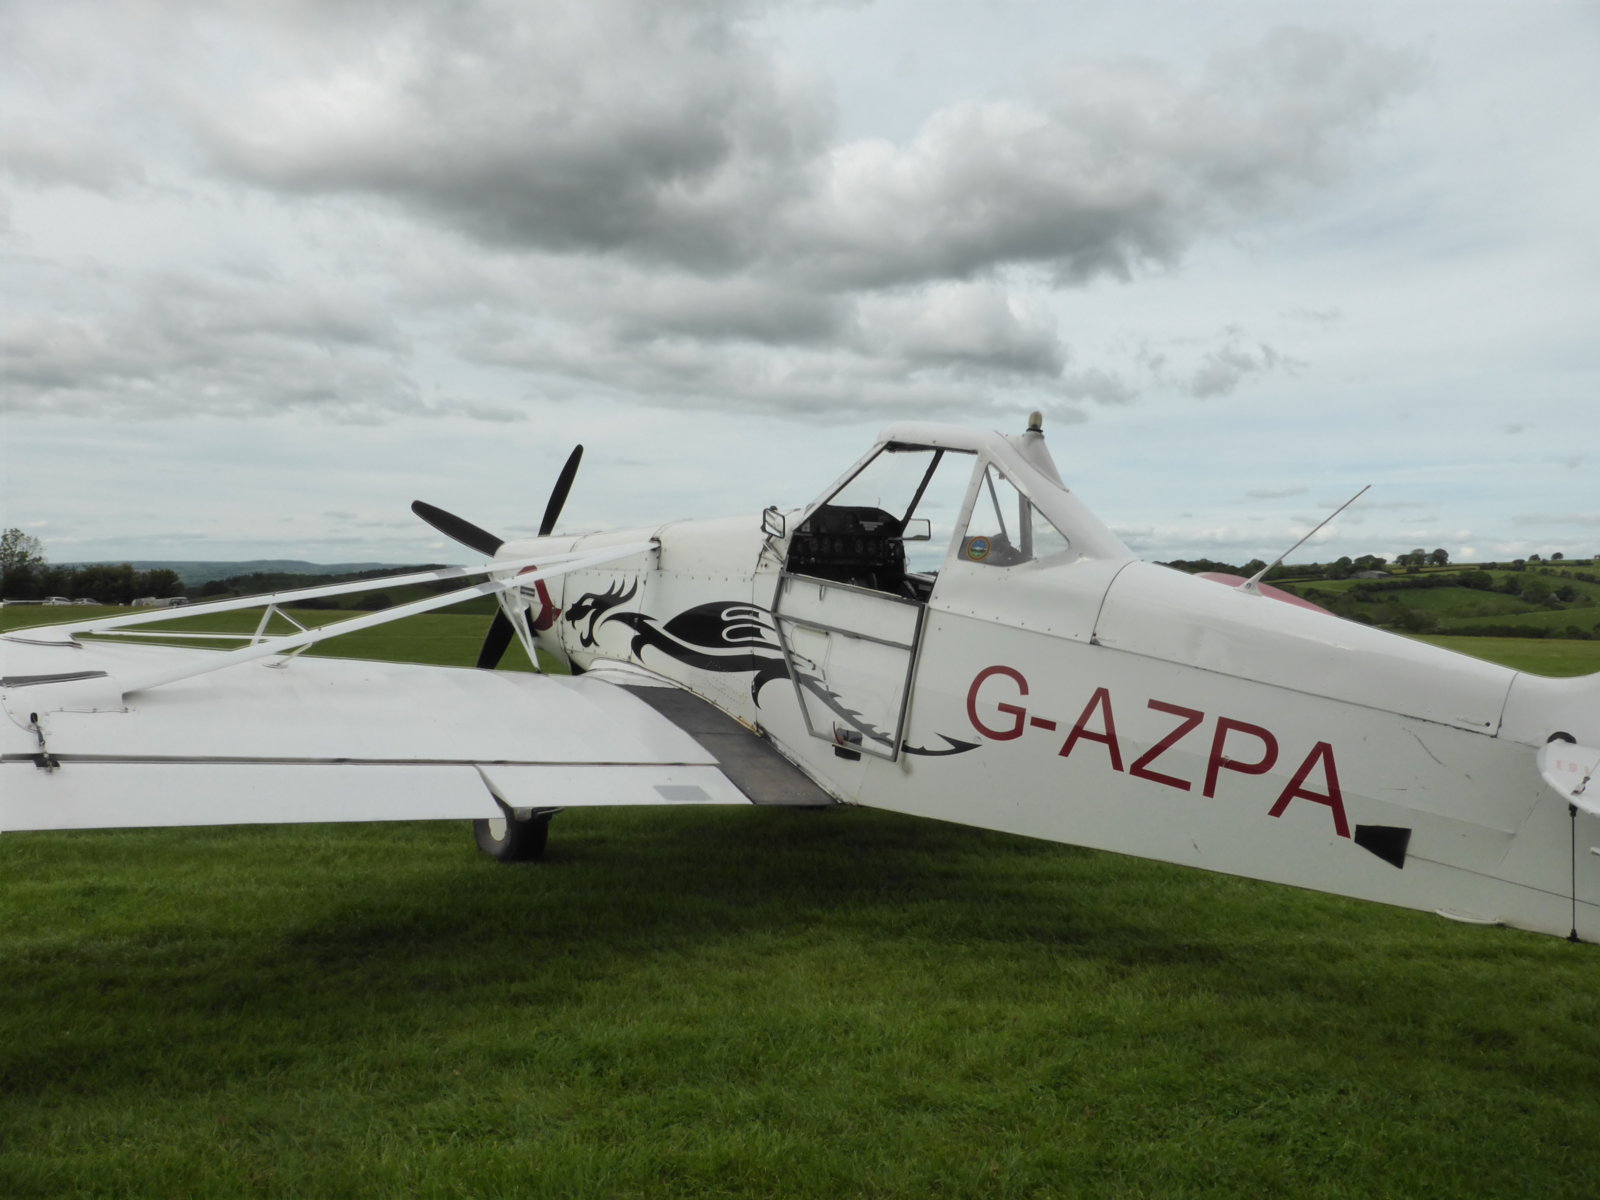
(198, 574)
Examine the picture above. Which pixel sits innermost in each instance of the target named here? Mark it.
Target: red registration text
(1234, 747)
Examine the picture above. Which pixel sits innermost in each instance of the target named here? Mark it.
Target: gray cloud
(1223, 369)
(1099, 386)
(1191, 367)
(41, 150)
(663, 304)
(793, 380)
(69, 93)
(665, 133)
(185, 343)
(654, 131)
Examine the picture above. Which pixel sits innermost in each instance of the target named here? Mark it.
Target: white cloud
(963, 323)
(1113, 167)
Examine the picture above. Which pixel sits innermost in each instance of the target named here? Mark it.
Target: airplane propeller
(558, 494)
(501, 630)
(458, 528)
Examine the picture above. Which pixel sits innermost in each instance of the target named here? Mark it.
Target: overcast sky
(272, 270)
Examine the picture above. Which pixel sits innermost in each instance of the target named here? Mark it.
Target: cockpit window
(1006, 528)
(890, 526)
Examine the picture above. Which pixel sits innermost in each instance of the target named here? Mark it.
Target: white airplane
(946, 632)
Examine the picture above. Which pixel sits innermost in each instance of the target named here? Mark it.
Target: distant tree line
(25, 575)
(1343, 568)
(259, 583)
(1411, 563)
(1492, 629)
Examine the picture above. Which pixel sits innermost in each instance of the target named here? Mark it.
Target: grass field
(1538, 656)
(1455, 608)
(760, 1003)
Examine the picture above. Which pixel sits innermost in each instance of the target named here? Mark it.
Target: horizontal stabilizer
(1569, 768)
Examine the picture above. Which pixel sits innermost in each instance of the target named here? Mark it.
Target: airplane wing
(99, 734)
(322, 739)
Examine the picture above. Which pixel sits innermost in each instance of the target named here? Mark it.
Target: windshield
(1006, 528)
(894, 518)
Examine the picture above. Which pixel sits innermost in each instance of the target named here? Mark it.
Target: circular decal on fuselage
(978, 549)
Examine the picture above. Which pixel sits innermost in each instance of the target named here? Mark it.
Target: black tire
(507, 840)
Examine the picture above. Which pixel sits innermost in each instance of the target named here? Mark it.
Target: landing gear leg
(508, 840)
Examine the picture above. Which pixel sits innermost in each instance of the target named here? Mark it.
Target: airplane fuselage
(1098, 700)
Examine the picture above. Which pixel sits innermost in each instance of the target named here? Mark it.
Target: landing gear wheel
(508, 840)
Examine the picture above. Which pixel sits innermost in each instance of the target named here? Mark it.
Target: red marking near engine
(548, 612)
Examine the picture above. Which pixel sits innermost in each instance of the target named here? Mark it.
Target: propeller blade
(463, 531)
(501, 630)
(558, 494)
(496, 641)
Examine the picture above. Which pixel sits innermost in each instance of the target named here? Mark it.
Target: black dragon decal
(592, 606)
(718, 636)
(731, 636)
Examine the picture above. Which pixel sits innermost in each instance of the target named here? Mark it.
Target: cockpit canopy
(928, 498)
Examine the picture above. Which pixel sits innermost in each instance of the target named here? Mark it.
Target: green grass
(730, 1003)
(406, 593)
(441, 638)
(760, 1003)
(1540, 656)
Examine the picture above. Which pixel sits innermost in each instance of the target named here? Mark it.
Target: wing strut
(504, 577)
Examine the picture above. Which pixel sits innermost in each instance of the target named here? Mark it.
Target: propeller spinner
(502, 629)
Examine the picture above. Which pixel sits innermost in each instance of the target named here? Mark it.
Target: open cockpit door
(852, 596)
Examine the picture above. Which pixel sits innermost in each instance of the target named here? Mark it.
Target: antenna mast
(1253, 584)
